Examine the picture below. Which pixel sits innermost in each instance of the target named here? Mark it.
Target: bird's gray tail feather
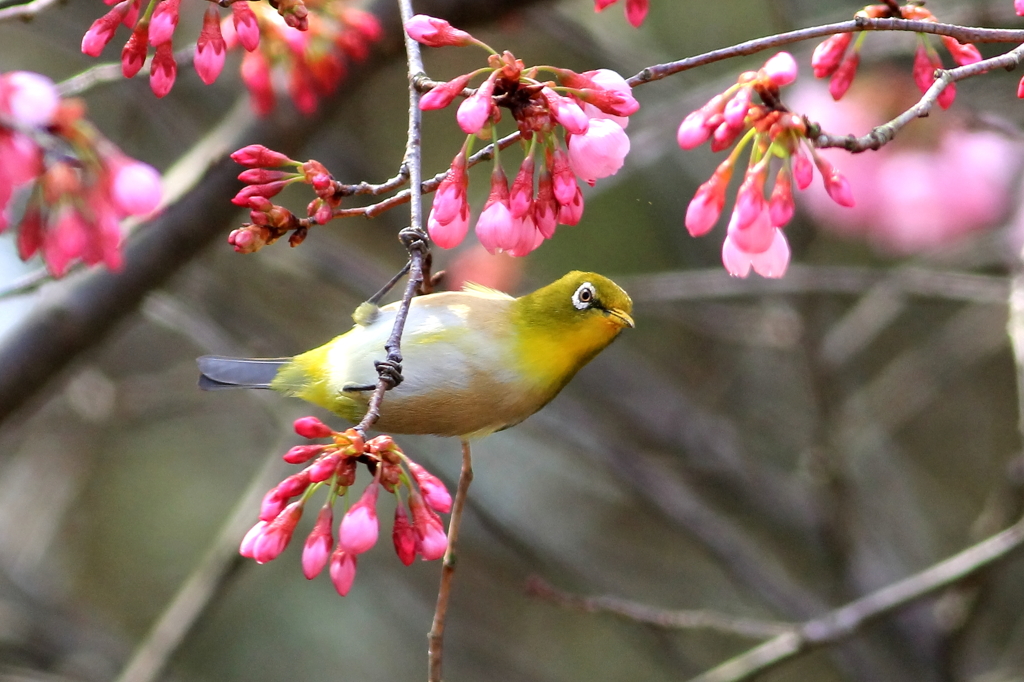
(219, 372)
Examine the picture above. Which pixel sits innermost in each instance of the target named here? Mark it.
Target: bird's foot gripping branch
(333, 465)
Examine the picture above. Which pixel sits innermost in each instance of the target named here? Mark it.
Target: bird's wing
(481, 290)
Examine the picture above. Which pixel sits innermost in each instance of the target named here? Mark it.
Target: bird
(475, 361)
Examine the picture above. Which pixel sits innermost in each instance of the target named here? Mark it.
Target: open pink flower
(599, 152)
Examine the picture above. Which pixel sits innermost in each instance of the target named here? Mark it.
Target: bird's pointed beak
(623, 316)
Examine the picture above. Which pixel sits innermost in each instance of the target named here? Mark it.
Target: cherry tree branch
(883, 134)
(436, 637)
(846, 621)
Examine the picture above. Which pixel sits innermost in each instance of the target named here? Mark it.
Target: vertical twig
(436, 637)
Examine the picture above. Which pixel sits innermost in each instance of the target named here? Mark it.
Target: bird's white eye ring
(584, 296)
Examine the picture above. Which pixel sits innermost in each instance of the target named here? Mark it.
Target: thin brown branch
(435, 639)
(26, 12)
(682, 619)
(884, 133)
(427, 186)
(962, 33)
(846, 621)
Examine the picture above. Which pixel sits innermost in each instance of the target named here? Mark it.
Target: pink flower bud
(962, 53)
(476, 109)
(403, 536)
(946, 97)
(736, 110)
(528, 239)
(434, 492)
(300, 454)
(163, 70)
(247, 28)
(343, 570)
(359, 527)
(781, 69)
(803, 171)
(255, 74)
(609, 93)
(444, 94)
(428, 527)
(837, 186)
(249, 541)
(133, 56)
(258, 156)
(636, 11)
(434, 32)
(449, 235)
(829, 54)
(692, 131)
(521, 197)
(325, 467)
(494, 227)
(278, 533)
(318, 545)
(266, 190)
(450, 198)
(750, 203)
(1018, 6)
(1020, 86)
(102, 30)
(724, 135)
(925, 64)
(311, 427)
(164, 21)
(136, 188)
(780, 205)
(707, 203)
(773, 262)
(566, 112)
(842, 79)
(564, 180)
(210, 48)
(31, 100)
(756, 236)
(571, 212)
(545, 207)
(599, 152)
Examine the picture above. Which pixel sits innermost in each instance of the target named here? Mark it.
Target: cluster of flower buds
(416, 532)
(778, 140)
(312, 61)
(311, 45)
(265, 178)
(833, 58)
(636, 10)
(63, 185)
(592, 108)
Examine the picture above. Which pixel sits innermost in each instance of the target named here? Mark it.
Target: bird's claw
(390, 371)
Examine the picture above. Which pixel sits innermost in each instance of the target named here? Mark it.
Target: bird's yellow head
(564, 325)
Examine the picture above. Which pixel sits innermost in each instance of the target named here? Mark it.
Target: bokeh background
(761, 450)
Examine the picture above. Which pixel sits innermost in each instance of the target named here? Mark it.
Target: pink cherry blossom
(318, 545)
(781, 69)
(599, 152)
(570, 212)
(770, 263)
(564, 180)
(277, 534)
(476, 110)
(449, 235)
(163, 70)
(428, 527)
(693, 131)
(962, 53)
(102, 30)
(1018, 6)
(828, 55)
(434, 492)
(359, 527)
(756, 236)
(136, 188)
(566, 112)
(444, 94)
(434, 32)
(210, 48)
(529, 238)
(842, 79)
(403, 536)
(246, 26)
(521, 197)
(343, 570)
(249, 541)
(29, 98)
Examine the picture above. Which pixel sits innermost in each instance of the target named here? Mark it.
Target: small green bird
(475, 361)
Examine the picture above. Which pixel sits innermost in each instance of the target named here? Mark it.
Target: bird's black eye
(584, 296)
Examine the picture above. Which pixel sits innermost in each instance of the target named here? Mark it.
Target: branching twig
(962, 33)
(436, 637)
(883, 134)
(688, 619)
(848, 620)
(111, 72)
